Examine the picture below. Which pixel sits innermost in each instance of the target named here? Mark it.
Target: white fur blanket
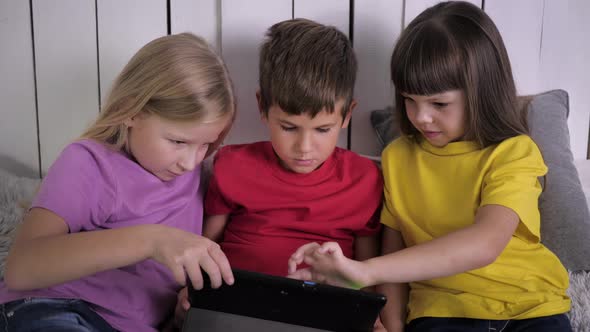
(15, 190)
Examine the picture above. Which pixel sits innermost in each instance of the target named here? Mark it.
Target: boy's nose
(304, 143)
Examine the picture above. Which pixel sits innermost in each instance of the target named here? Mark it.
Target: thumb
(330, 248)
(185, 304)
(299, 255)
(301, 274)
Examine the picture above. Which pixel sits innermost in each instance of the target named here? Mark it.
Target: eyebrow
(429, 98)
(177, 137)
(285, 122)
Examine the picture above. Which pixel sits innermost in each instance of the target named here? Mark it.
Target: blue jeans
(555, 323)
(49, 315)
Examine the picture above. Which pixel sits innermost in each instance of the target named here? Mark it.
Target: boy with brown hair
(266, 199)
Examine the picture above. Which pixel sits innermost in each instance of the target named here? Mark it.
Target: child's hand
(182, 306)
(379, 327)
(327, 264)
(185, 254)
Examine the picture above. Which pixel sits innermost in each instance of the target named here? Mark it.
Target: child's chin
(302, 169)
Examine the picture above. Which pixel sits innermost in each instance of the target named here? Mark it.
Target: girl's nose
(191, 159)
(424, 115)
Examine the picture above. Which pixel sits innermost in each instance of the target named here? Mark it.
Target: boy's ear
(346, 120)
(259, 102)
(263, 116)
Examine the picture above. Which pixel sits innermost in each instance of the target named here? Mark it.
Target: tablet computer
(296, 302)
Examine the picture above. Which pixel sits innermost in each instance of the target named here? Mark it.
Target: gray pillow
(15, 194)
(384, 122)
(565, 220)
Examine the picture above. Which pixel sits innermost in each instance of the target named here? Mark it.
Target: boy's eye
(177, 141)
(441, 105)
(323, 130)
(287, 128)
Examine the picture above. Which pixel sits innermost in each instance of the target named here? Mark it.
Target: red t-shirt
(274, 211)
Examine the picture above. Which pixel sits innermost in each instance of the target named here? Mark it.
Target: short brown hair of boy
(306, 67)
(455, 45)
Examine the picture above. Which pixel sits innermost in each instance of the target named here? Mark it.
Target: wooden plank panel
(124, 26)
(415, 7)
(328, 12)
(201, 17)
(520, 24)
(565, 50)
(19, 152)
(66, 63)
(376, 28)
(243, 27)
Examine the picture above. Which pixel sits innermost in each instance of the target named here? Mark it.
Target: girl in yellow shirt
(461, 192)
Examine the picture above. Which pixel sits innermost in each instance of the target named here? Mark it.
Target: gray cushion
(565, 220)
(384, 123)
(15, 193)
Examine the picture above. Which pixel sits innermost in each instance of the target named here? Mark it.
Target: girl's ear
(130, 122)
(128, 106)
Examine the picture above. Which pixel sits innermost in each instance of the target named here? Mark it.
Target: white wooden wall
(59, 58)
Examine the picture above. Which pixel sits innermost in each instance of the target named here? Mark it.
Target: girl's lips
(431, 134)
(173, 174)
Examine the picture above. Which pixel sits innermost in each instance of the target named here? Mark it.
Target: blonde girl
(114, 231)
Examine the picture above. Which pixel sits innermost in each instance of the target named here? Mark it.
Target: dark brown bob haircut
(456, 46)
(306, 67)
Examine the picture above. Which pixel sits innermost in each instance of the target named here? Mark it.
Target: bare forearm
(366, 247)
(454, 253)
(466, 249)
(394, 313)
(214, 226)
(51, 260)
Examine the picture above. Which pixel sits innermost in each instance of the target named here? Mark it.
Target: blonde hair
(178, 77)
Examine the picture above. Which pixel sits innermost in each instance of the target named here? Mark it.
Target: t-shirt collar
(296, 178)
(453, 148)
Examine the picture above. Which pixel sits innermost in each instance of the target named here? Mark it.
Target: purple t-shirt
(93, 187)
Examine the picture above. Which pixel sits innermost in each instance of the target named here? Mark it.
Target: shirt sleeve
(372, 227)
(513, 182)
(78, 189)
(374, 198)
(216, 202)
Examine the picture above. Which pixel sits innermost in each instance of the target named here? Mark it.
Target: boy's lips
(303, 162)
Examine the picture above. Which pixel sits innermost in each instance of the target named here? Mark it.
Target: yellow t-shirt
(430, 192)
